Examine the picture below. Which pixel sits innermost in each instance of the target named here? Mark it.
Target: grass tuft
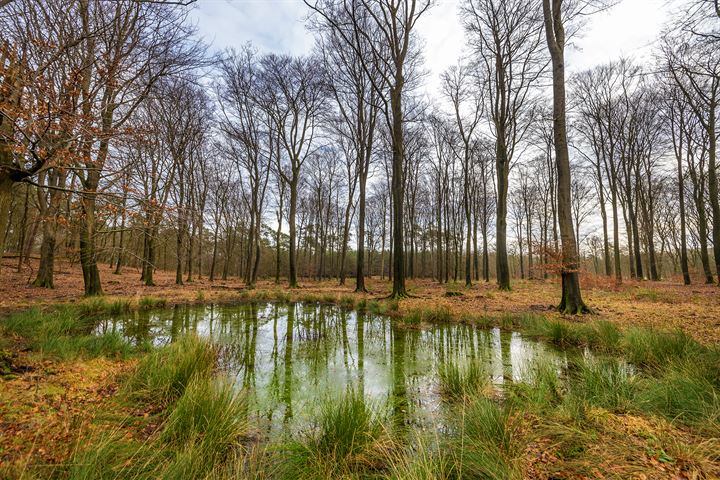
(648, 348)
(488, 445)
(150, 303)
(459, 381)
(604, 383)
(349, 439)
(347, 302)
(162, 376)
(65, 333)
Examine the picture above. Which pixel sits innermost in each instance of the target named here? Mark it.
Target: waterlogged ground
(291, 358)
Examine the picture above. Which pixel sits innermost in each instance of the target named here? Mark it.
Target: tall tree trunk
(292, 280)
(88, 259)
(360, 266)
(398, 191)
(503, 172)
(713, 184)
(572, 301)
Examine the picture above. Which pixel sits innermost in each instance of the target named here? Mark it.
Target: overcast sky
(628, 29)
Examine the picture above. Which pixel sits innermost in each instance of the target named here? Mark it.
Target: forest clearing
(359, 239)
(65, 394)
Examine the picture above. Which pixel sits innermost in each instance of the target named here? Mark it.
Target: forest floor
(47, 405)
(666, 305)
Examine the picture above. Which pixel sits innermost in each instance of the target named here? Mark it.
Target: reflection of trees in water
(360, 324)
(288, 371)
(398, 397)
(330, 350)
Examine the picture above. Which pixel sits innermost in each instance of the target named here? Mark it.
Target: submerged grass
(458, 381)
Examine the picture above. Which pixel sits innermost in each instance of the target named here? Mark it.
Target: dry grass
(47, 410)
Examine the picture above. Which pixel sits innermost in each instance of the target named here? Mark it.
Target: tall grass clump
(608, 338)
(605, 383)
(150, 303)
(201, 433)
(349, 438)
(205, 426)
(93, 306)
(375, 307)
(687, 391)
(648, 348)
(119, 306)
(162, 376)
(488, 446)
(601, 335)
(281, 296)
(328, 298)
(347, 302)
(419, 461)
(542, 388)
(458, 381)
(112, 456)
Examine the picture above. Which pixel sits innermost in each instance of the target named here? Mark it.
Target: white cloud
(271, 25)
(628, 29)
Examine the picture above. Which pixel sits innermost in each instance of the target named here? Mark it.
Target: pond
(291, 357)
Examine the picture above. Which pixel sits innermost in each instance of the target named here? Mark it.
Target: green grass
(203, 421)
(162, 376)
(488, 446)
(202, 433)
(309, 298)
(150, 303)
(328, 298)
(375, 307)
(281, 296)
(205, 426)
(599, 335)
(542, 390)
(347, 302)
(349, 439)
(604, 383)
(65, 333)
(458, 381)
(419, 461)
(649, 348)
(687, 391)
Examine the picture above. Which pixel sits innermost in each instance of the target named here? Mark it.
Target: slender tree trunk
(503, 171)
(292, 280)
(360, 267)
(398, 192)
(572, 301)
(713, 184)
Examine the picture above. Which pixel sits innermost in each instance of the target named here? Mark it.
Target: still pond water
(292, 357)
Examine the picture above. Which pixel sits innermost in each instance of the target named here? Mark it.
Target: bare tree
(293, 96)
(506, 36)
(555, 16)
(695, 68)
(467, 106)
